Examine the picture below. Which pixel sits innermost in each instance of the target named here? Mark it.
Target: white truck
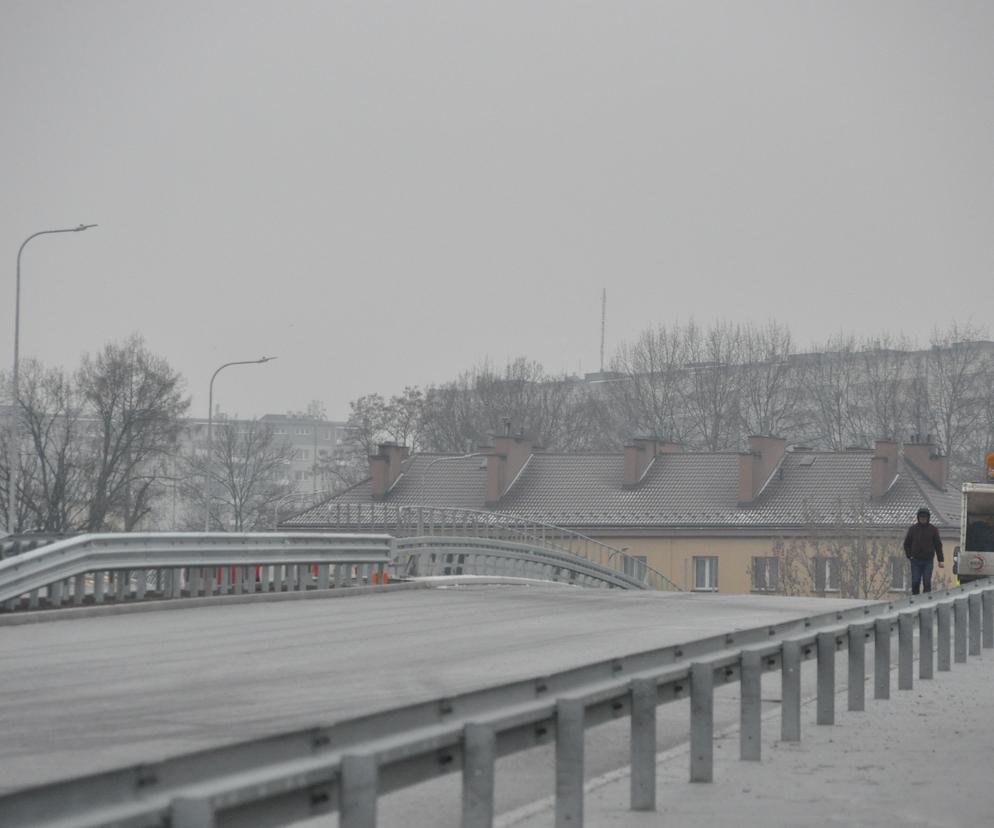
(976, 539)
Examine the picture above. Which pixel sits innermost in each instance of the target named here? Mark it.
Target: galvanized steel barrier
(347, 766)
(135, 566)
(456, 522)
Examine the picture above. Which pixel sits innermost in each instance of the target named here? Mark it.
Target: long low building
(790, 520)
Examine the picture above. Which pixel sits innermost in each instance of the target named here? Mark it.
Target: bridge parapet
(171, 564)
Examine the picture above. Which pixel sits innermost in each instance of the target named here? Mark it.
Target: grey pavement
(84, 695)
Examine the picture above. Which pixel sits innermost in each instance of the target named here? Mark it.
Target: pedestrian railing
(348, 765)
(137, 566)
(434, 522)
(439, 555)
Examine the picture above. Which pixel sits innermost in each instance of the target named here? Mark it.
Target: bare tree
(98, 438)
(832, 386)
(770, 379)
(793, 564)
(956, 380)
(247, 470)
(840, 552)
(711, 388)
(558, 412)
(887, 367)
(136, 401)
(56, 468)
(649, 399)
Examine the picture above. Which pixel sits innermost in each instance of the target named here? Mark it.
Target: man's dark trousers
(921, 573)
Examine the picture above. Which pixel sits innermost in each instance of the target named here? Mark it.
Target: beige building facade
(774, 519)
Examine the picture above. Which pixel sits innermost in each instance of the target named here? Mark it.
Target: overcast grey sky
(384, 194)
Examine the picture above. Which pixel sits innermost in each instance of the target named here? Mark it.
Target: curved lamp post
(13, 453)
(210, 429)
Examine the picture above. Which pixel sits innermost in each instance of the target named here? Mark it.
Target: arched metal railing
(428, 521)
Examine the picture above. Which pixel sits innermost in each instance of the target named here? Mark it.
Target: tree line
(710, 387)
(100, 446)
(100, 449)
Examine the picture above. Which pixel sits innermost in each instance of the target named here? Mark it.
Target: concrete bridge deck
(84, 695)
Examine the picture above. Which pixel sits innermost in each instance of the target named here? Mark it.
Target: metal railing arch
(446, 521)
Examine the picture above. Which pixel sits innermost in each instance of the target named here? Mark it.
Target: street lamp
(291, 496)
(210, 428)
(424, 474)
(13, 454)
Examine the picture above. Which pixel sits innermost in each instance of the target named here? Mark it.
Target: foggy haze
(385, 194)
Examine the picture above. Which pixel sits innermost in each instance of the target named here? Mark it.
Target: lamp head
(84, 227)
(266, 359)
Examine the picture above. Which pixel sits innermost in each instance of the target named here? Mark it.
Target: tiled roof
(682, 490)
(425, 480)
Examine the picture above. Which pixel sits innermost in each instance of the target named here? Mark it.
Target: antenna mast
(603, 321)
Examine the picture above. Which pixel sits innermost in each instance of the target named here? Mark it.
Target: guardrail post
(121, 578)
(943, 612)
(479, 756)
(191, 812)
(905, 651)
(358, 783)
(569, 763)
(98, 586)
(987, 601)
(79, 588)
(881, 658)
(701, 722)
(975, 631)
(826, 678)
(193, 581)
(33, 599)
(140, 584)
(926, 627)
(959, 640)
(225, 582)
(790, 702)
(750, 715)
(857, 667)
(324, 577)
(643, 745)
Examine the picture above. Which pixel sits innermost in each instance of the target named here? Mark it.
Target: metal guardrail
(13, 545)
(345, 767)
(95, 566)
(434, 521)
(437, 555)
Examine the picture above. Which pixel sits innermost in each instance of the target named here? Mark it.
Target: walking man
(921, 544)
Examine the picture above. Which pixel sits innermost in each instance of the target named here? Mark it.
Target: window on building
(900, 575)
(765, 574)
(706, 573)
(827, 575)
(635, 566)
(298, 475)
(302, 454)
(303, 432)
(326, 434)
(279, 432)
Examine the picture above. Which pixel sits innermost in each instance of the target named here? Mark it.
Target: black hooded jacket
(923, 541)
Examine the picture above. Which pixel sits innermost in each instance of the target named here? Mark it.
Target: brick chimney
(385, 467)
(883, 467)
(929, 462)
(507, 458)
(640, 453)
(757, 464)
